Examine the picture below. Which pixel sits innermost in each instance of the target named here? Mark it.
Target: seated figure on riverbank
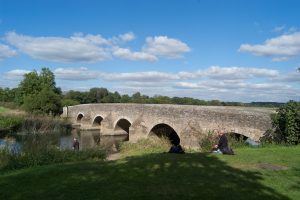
(75, 144)
(222, 146)
(176, 149)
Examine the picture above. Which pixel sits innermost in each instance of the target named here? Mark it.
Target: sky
(233, 50)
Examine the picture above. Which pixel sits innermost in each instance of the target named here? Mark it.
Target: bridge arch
(164, 130)
(122, 125)
(238, 136)
(97, 121)
(79, 117)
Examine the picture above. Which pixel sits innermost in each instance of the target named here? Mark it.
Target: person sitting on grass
(222, 146)
(176, 149)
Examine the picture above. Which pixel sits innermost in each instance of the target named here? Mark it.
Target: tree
(125, 99)
(112, 98)
(38, 92)
(97, 94)
(69, 102)
(287, 122)
(8, 95)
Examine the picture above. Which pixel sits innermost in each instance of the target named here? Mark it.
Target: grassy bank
(39, 156)
(253, 173)
(14, 120)
(2, 110)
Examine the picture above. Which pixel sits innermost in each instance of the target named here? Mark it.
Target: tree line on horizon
(38, 92)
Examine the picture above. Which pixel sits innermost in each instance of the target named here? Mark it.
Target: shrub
(44, 124)
(11, 121)
(236, 142)
(207, 141)
(46, 155)
(287, 123)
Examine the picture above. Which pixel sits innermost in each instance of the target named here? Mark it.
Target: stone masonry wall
(189, 122)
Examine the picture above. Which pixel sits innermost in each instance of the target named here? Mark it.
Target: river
(87, 139)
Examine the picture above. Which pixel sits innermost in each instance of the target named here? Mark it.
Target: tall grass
(11, 122)
(10, 105)
(209, 139)
(2, 109)
(33, 124)
(145, 146)
(36, 152)
(40, 124)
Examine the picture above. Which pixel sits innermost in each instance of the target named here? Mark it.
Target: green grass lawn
(3, 110)
(164, 176)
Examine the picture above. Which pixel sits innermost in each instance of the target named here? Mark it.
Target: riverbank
(18, 121)
(253, 173)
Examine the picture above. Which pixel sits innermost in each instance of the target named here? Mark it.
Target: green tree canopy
(287, 122)
(38, 92)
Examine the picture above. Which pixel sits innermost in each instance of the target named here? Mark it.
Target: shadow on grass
(154, 176)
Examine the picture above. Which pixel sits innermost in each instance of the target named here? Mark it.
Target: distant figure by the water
(75, 144)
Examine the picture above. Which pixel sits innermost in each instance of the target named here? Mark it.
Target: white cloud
(239, 72)
(234, 86)
(227, 74)
(127, 37)
(239, 91)
(76, 74)
(158, 46)
(211, 85)
(134, 56)
(17, 72)
(165, 47)
(290, 77)
(6, 52)
(142, 85)
(279, 48)
(230, 73)
(150, 76)
(189, 85)
(223, 83)
(77, 48)
(92, 48)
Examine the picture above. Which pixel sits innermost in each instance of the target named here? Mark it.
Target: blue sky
(231, 50)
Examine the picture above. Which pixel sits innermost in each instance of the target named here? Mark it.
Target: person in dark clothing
(75, 144)
(176, 149)
(222, 146)
(223, 142)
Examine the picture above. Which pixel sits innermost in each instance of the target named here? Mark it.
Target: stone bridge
(180, 123)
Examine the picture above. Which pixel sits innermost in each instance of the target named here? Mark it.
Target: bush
(207, 141)
(44, 124)
(236, 142)
(10, 105)
(287, 123)
(11, 122)
(39, 155)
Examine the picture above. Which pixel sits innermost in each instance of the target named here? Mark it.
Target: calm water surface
(87, 139)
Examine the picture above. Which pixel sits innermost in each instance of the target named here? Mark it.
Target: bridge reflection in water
(93, 138)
